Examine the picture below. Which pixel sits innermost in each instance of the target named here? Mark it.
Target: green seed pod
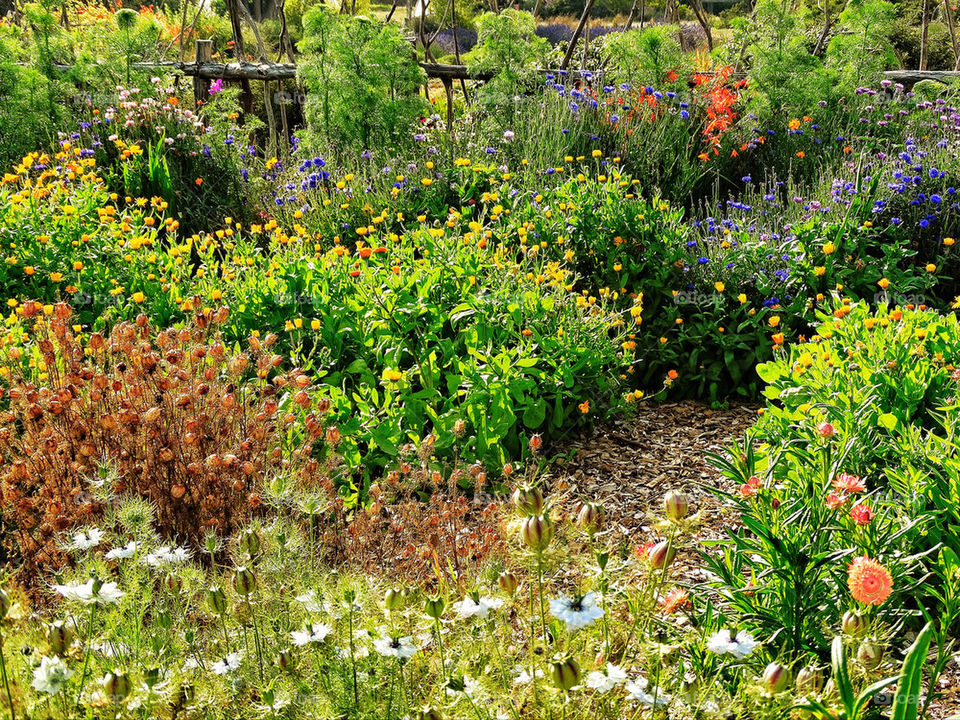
(538, 532)
(287, 661)
(853, 623)
(776, 678)
(217, 600)
(809, 681)
(4, 603)
(590, 517)
(434, 607)
(244, 581)
(116, 686)
(676, 505)
(250, 543)
(565, 673)
(60, 637)
(662, 555)
(393, 599)
(508, 582)
(528, 500)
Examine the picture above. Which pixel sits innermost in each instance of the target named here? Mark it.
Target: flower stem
(86, 654)
(6, 682)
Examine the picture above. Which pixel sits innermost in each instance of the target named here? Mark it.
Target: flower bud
(59, 637)
(809, 681)
(393, 599)
(826, 430)
(590, 517)
(4, 603)
(776, 678)
(116, 686)
(535, 443)
(853, 623)
(244, 581)
(528, 500)
(662, 555)
(870, 655)
(434, 607)
(508, 582)
(565, 673)
(676, 505)
(538, 532)
(186, 695)
(217, 600)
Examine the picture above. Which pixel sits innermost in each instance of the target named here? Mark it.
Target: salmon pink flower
(861, 514)
(826, 430)
(870, 582)
(849, 483)
(751, 486)
(835, 501)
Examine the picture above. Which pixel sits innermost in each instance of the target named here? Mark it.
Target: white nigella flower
(607, 679)
(106, 594)
(167, 555)
(229, 664)
(123, 553)
(468, 687)
(400, 648)
(470, 608)
(86, 539)
(577, 613)
(315, 633)
(525, 678)
(638, 691)
(311, 602)
(51, 675)
(724, 642)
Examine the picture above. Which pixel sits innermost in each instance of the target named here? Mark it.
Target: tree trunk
(704, 20)
(827, 25)
(948, 12)
(632, 15)
(924, 27)
(576, 34)
(285, 45)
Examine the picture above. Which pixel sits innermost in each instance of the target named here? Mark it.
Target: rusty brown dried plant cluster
(177, 417)
(421, 526)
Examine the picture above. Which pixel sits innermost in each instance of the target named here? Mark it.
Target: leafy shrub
(362, 79)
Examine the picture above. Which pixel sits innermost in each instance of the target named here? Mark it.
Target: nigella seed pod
(174, 583)
(538, 532)
(809, 681)
(528, 500)
(853, 623)
(250, 543)
(565, 673)
(393, 599)
(244, 581)
(508, 582)
(776, 678)
(287, 661)
(59, 637)
(434, 607)
(870, 655)
(676, 505)
(662, 555)
(217, 600)
(4, 603)
(116, 686)
(590, 517)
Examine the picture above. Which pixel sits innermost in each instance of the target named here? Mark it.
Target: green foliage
(363, 82)
(860, 49)
(507, 45)
(648, 56)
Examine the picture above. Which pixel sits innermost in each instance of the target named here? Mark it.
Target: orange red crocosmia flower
(870, 582)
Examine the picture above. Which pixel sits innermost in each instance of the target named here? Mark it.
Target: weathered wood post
(201, 86)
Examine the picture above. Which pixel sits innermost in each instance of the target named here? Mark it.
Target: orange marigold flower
(870, 582)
